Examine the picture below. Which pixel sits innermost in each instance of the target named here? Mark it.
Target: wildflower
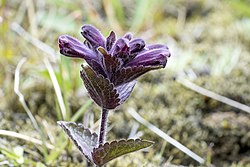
(113, 64)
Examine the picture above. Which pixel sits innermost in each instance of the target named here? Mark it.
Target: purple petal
(155, 57)
(128, 36)
(93, 35)
(121, 48)
(136, 45)
(153, 46)
(156, 46)
(86, 43)
(72, 47)
(110, 40)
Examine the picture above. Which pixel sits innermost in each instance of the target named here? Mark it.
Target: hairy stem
(103, 126)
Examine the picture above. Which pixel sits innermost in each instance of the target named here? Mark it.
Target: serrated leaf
(81, 136)
(109, 151)
(100, 89)
(129, 74)
(97, 68)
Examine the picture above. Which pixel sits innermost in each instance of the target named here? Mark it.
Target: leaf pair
(86, 142)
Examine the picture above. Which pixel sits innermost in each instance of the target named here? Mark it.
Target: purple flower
(113, 64)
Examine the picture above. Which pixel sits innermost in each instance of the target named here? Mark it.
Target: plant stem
(103, 126)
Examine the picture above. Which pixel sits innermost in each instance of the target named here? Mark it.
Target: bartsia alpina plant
(110, 76)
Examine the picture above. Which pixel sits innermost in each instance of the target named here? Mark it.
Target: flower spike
(114, 63)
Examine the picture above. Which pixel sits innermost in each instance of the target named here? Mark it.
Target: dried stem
(213, 95)
(165, 136)
(27, 138)
(103, 126)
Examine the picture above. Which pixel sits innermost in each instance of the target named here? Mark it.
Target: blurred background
(210, 45)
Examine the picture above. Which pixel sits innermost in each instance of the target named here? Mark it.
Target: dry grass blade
(20, 95)
(24, 104)
(48, 50)
(166, 137)
(34, 41)
(24, 137)
(213, 95)
(56, 87)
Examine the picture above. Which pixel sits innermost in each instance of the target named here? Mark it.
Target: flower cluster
(113, 64)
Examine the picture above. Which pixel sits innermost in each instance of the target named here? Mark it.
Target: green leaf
(109, 151)
(15, 154)
(81, 136)
(119, 10)
(19, 152)
(40, 164)
(241, 8)
(60, 145)
(80, 112)
(142, 8)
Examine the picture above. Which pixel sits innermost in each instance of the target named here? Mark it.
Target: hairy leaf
(100, 89)
(81, 136)
(97, 68)
(125, 90)
(129, 74)
(109, 151)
